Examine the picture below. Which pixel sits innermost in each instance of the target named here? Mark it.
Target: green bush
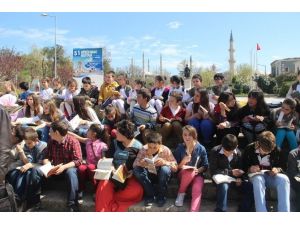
(284, 88)
(245, 89)
(285, 78)
(266, 84)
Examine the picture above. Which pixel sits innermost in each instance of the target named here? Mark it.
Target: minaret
(231, 59)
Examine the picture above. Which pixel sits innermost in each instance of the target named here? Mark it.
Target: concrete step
(55, 200)
(206, 206)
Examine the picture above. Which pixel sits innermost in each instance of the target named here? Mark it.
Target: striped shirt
(145, 116)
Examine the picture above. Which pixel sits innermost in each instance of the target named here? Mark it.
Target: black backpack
(7, 198)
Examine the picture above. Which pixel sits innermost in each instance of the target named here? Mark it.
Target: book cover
(121, 174)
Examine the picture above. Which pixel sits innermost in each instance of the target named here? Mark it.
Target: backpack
(7, 198)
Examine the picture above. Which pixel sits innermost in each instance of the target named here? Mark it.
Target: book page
(220, 178)
(105, 164)
(75, 122)
(104, 169)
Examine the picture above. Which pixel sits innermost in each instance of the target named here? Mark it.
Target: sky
(177, 36)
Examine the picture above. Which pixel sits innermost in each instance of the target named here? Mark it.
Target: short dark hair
(126, 128)
(86, 80)
(100, 132)
(30, 134)
(140, 82)
(197, 76)
(145, 93)
(154, 138)
(219, 75)
(111, 72)
(61, 127)
(159, 78)
(24, 85)
(19, 132)
(229, 142)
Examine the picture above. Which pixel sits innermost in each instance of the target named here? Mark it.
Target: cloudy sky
(177, 36)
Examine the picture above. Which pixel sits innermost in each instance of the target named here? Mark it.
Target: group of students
(73, 129)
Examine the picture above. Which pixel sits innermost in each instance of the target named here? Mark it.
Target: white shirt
(175, 111)
(46, 94)
(263, 160)
(189, 108)
(229, 157)
(158, 92)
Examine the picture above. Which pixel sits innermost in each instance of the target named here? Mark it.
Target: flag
(257, 47)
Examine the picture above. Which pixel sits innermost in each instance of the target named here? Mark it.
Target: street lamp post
(55, 60)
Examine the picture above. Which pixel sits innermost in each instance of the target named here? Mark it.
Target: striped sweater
(145, 116)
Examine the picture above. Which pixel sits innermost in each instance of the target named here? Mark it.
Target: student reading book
(165, 164)
(260, 155)
(111, 196)
(25, 178)
(225, 160)
(192, 162)
(286, 120)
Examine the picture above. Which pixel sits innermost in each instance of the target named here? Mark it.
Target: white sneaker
(179, 199)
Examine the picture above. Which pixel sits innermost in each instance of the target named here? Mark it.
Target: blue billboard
(87, 61)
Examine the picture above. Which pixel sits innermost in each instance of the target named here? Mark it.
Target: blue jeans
(205, 127)
(148, 179)
(282, 184)
(26, 185)
(72, 184)
(289, 134)
(247, 196)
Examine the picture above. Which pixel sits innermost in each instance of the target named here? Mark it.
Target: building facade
(285, 66)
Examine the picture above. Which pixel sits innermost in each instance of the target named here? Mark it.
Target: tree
(49, 59)
(11, 63)
(207, 77)
(244, 73)
(34, 66)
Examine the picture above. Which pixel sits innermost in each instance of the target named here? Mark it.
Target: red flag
(257, 47)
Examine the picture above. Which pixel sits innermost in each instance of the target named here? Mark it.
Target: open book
(48, 169)
(262, 172)
(104, 169)
(151, 166)
(74, 123)
(187, 167)
(220, 178)
(121, 174)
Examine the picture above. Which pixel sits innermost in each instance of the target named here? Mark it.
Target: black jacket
(250, 158)
(93, 93)
(219, 163)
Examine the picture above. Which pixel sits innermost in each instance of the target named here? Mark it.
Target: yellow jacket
(108, 90)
